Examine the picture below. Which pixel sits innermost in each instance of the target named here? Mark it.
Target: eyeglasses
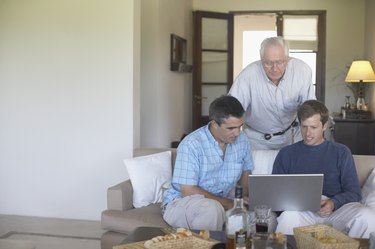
(270, 64)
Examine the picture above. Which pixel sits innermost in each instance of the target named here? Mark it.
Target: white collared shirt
(270, 108)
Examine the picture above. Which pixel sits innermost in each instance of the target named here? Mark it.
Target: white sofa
(121, 217)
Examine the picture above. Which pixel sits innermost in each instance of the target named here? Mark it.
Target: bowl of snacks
(322, 236)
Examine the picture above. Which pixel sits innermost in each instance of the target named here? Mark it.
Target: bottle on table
(237, 223)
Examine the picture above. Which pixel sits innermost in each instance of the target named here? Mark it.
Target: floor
(47, 233)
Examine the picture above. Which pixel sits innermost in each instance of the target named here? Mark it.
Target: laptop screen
(292, 192)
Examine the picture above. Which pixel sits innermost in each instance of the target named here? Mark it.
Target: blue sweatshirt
(332, 159)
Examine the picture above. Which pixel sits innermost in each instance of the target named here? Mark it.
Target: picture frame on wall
(179, 54)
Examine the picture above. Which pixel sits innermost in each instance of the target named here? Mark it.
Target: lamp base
(361, 104)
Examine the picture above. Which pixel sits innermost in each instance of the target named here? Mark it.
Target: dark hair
(310, 108)
(225, 107)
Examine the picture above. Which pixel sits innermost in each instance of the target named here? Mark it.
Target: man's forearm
(187, 190)
(244, 182)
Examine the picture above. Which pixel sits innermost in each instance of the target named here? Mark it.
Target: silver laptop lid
(292, 192)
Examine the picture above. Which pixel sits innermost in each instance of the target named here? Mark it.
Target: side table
(357, 134)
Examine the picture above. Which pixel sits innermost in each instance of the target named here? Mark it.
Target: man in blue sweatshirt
(340, 205)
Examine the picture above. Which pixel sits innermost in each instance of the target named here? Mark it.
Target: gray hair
(277, 40)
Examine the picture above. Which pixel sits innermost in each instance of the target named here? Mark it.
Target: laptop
(287, 192)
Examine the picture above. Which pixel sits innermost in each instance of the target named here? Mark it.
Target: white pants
(354, 219)
(195, 212)
(258, 142)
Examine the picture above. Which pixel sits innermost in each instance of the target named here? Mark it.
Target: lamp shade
(360, 71)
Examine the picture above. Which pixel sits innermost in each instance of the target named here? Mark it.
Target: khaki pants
(195, 212)
(353, 218)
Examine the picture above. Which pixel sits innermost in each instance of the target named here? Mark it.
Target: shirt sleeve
(248, 159)
(351, 190)
(241, 89)
(186, 169)
(279, 165)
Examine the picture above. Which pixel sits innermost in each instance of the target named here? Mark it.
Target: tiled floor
(52, 232)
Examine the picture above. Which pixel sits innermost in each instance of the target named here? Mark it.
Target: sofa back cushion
(364, 165)
(263, 161)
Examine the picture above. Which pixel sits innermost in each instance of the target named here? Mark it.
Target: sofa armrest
(120, 196)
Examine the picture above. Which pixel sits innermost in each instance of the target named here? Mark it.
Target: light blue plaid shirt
(199, 162)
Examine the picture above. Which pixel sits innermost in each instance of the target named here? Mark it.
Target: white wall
(345, 34)
(370, 46)
(165, 95)
(66, 104)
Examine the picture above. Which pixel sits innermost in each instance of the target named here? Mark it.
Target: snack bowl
(322, 236)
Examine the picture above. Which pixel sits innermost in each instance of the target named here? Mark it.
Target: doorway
(224, 43)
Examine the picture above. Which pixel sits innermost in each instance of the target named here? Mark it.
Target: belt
(268, 136)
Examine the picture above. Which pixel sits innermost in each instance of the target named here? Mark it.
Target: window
(304, 31)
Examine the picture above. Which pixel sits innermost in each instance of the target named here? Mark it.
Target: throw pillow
(368, 190)
(148, 174)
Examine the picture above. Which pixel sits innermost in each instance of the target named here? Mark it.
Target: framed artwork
(178, 52)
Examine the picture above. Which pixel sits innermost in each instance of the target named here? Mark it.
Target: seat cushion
(263, 161)
(127, 221)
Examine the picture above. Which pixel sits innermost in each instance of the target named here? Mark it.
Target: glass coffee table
(146, 233)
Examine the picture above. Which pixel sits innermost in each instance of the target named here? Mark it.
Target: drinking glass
(262, 218)
(251, 223)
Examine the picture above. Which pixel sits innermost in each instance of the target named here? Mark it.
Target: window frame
(321, 51)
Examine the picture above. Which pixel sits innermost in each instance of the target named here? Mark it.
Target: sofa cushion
(368, 190)
(126, 222)
(263, 161)
(148, 174)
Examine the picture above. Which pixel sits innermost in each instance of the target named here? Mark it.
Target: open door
(212, 60)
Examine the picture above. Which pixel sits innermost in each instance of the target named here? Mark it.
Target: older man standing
(271, 90)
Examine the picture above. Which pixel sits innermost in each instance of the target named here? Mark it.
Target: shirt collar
(209, 134)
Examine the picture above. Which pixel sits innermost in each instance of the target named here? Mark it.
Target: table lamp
(360, 72)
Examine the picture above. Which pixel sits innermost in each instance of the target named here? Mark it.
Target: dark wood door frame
(198, 119)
